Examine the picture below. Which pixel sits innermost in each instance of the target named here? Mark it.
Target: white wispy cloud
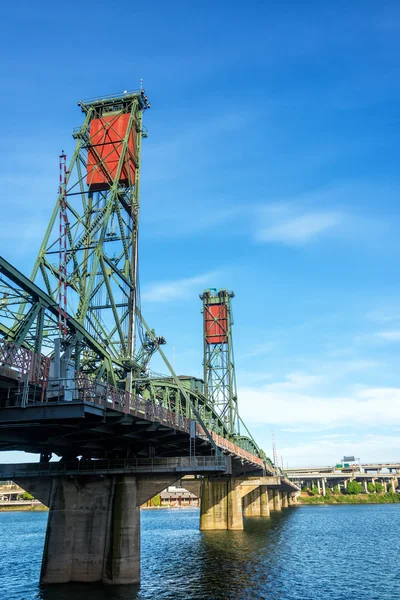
(284, 404)
(384, 315)
(321, 399)
(324, 451)
(390, 336)
(294, 225)
(257, 350)
(203, 218)
(334, 211)
(165, 291)
(378, 337)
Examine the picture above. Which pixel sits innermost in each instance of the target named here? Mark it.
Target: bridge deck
(77, 428)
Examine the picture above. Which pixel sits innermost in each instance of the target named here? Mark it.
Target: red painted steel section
(216, 324)
(106, 141)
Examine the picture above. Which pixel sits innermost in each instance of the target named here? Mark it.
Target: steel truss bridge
(72, 381)
(75, 379)
(160, 414)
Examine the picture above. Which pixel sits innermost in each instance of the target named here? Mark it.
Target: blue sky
(271, 168)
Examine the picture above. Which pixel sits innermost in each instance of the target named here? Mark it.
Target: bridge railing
(25, 362)
(235, 449)
(99, 393)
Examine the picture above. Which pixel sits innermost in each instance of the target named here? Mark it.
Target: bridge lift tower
(100, 201)
(219, 364)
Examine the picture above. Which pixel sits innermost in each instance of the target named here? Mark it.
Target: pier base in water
(221, 504)
(224, 501)
(93, 529)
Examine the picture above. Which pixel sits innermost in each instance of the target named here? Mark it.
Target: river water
(304, 553)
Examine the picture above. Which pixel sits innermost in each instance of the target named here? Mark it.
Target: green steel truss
(29, 319)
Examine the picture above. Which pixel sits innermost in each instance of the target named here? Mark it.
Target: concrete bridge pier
(277, 499)
(264, 501)
(221, 504)
(222, 498)
(93, 529)
(271, 500)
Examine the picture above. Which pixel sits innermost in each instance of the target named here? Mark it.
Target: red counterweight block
(106, 141)
(216, 324)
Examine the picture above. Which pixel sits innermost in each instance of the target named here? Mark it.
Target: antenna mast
(62, 268)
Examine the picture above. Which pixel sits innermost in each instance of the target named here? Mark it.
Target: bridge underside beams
(252, 503)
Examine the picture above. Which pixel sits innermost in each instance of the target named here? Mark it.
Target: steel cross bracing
(101, 202)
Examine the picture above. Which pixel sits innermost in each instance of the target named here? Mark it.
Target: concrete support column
(214, 504)
(235, 513)
(384, 486)
(122, 563)
(365, 486)
(264, 501)
(277, 500)
(252, 503)
(285, 499)
(271, 500)
(319, 486)
(93, 528)
(323, 487)
(93, 531)
(393, 486)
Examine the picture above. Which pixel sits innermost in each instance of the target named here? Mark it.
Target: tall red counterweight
(107, 135)
(216, 324)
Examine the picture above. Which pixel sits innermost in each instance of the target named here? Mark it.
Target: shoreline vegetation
(23, 507)
(389, 498)
(354, 494)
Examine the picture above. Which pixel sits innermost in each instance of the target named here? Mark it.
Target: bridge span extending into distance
(75, 380)
(386, 473)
